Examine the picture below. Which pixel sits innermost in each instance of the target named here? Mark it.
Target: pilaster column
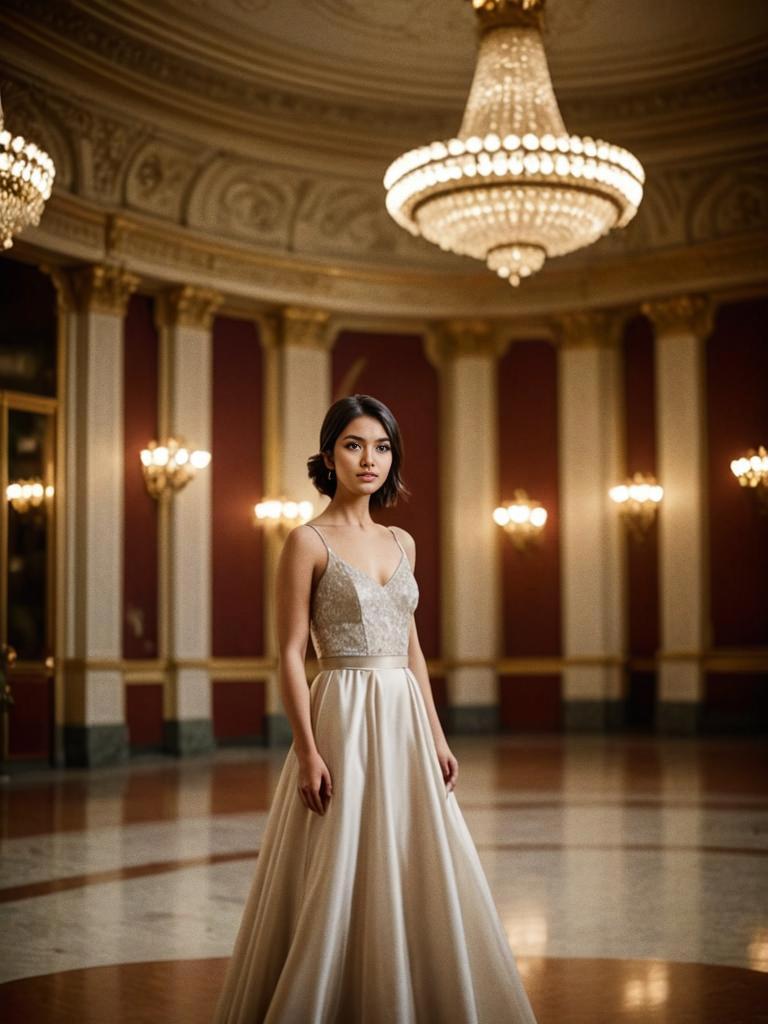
(185, 317)
(681, 326)
(297, 344)
(465, 354)
(593, 571)
(92, 302)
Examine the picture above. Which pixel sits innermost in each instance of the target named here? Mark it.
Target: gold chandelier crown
(513, 187)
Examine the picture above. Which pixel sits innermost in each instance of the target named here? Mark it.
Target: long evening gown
(378, 911)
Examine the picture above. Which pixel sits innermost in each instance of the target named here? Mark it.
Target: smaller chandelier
(169, 467)
(523, 519)
(25, 495)
(751, 470)
(638, 498)
(26, 180)
(282, 513)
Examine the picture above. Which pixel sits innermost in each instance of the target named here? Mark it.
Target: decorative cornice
(187, 306)
(588, 329)
(100, 288)
(130, 175)
(306, 328)
(681, 314)
(164, 253)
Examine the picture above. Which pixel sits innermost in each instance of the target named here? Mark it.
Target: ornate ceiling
(243, 142)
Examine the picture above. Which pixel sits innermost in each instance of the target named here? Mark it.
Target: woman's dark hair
(338, 416)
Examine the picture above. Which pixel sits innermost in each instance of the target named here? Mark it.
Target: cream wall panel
(470, 595)
(191, 508)
(592, 550)
(103, 506)
(104, 702)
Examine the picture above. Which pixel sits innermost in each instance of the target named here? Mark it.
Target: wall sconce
(523, 519)
(169, 467)
(638, 498)
(25, 495)
(751, 470)
(282, 514)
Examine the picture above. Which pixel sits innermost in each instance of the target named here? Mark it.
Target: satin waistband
(363, 661)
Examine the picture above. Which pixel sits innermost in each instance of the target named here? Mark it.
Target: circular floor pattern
(562, 991)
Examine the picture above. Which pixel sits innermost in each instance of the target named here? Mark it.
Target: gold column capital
(450, 340)
(62, 282)
(97, 288)
(681, 314)
(303, 327)
(592, 328)
(187, 306)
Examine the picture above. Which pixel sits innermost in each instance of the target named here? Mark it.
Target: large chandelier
(26, 180)
(513, 187)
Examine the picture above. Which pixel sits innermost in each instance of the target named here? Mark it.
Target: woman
(369, 904)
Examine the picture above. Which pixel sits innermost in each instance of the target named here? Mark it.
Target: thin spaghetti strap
(397, 539)
(322, 538)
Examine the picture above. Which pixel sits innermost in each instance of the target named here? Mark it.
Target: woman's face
(362, 455)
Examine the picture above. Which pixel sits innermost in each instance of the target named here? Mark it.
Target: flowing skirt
(378, 911)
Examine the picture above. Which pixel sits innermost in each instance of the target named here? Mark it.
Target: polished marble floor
(631, 874)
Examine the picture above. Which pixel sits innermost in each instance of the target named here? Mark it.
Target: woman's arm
(293, 584)
(418, 665)
(292, 599)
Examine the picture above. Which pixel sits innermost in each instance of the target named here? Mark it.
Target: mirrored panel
(29, 496)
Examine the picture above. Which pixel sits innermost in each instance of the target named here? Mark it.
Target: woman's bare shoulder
(302, 542)
(407, 541)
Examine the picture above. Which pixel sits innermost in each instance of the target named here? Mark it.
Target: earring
(330, 474)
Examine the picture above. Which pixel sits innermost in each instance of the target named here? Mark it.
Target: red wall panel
(394, 369)
(640, 449)
(30, 720)
(237, 545)
(737, 419)
(144, 715)
(528, 459)
(238, 709)
(528, 424)
(140, 554)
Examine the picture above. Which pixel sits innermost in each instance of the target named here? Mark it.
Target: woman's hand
(314, 786)
(448, 765)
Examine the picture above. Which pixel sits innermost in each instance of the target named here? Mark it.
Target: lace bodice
(351, 613)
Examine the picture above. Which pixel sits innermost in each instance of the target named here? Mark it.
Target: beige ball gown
(378, 911)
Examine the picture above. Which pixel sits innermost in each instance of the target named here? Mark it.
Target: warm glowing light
(26, 180)
(649, 988)
(169, 467)
(523, 519)
(24, 495)
(513, 188)
(751, 470)
(638, 499)
(282, 514)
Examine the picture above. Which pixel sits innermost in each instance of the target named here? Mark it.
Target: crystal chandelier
(513, 188)
(26, 179)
